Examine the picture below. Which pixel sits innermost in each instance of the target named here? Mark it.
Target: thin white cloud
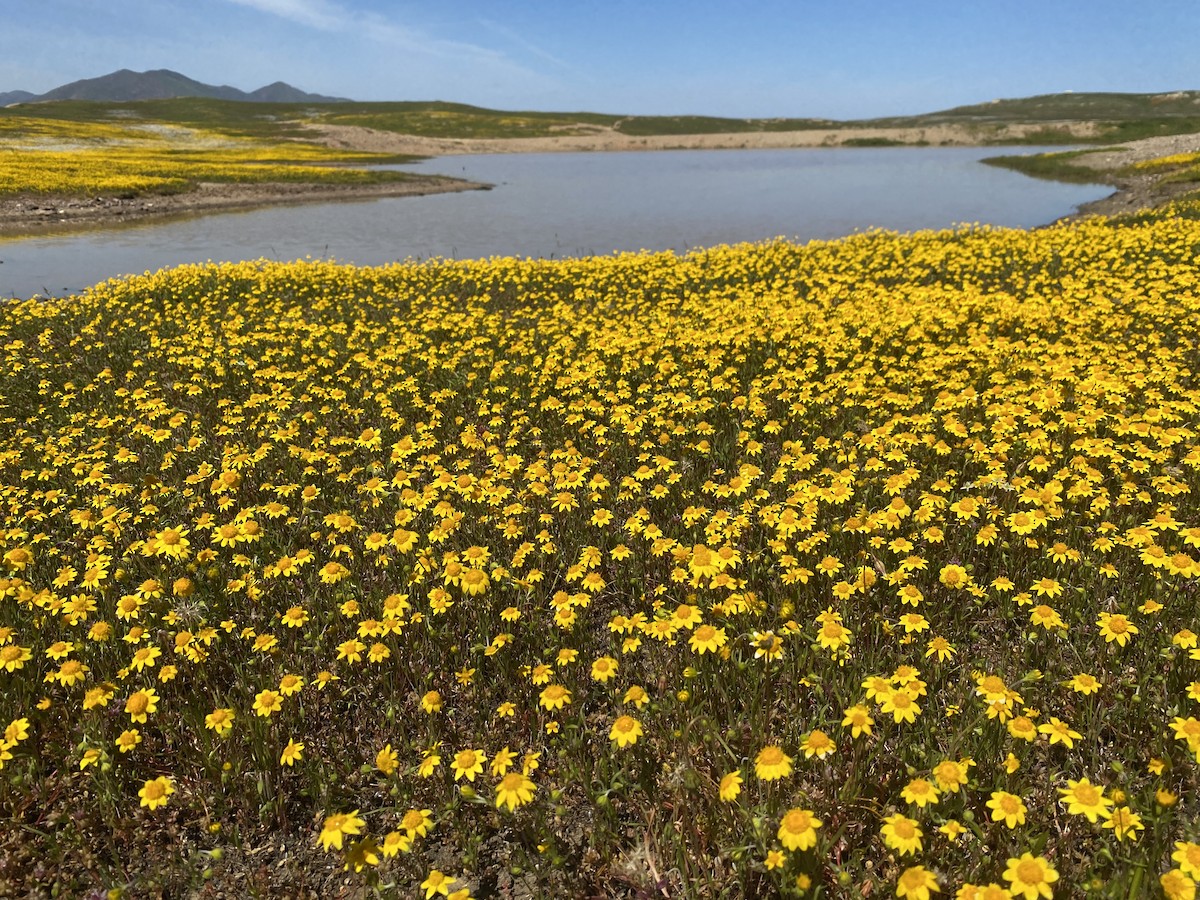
(379, 29)
(313, 13)
(528, 46)
(326, 15)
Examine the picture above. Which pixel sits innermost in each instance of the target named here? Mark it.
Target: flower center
(1030, 872)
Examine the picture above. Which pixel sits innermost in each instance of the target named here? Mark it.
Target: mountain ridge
(1125, 116)
(161, 84)
(8, 97)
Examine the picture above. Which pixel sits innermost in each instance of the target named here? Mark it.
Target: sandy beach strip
(605, 139)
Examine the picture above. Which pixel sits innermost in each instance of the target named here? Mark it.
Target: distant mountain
(162, 84)
(282, 92)
(15, 97)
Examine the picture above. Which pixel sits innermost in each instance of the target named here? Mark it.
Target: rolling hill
(162, 84)
(284, 111)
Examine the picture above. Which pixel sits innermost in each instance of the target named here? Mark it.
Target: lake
(570, 204)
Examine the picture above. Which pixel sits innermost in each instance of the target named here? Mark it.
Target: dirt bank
(599, 138)
(34, 213)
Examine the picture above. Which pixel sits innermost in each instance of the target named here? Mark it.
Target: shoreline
(33, 214)
(1130, 195)
(1134, 192)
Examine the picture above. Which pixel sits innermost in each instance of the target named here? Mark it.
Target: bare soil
(1135, 192)
(599, 138)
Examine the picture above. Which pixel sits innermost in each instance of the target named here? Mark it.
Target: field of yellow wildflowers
(864, 568)
(48, 156)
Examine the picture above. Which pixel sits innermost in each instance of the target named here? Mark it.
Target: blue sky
(835, 59)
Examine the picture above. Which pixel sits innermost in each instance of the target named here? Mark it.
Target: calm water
(569, 204)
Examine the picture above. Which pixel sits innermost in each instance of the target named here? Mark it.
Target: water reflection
(569, 204)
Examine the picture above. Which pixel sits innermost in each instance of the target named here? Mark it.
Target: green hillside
(1117, 117)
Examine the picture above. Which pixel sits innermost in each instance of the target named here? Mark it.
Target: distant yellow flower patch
(46, 157)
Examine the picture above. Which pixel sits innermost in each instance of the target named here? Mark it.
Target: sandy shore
(30, 214)
(598, 138)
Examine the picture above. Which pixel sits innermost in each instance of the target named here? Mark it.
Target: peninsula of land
(39, 214)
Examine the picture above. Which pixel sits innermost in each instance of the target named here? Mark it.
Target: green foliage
(1049, 166)
(1135, 129)
(458, 120)
(1069, 105)
(878, 142)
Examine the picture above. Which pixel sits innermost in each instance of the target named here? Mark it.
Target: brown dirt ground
(602, 139)
(1135, 192)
